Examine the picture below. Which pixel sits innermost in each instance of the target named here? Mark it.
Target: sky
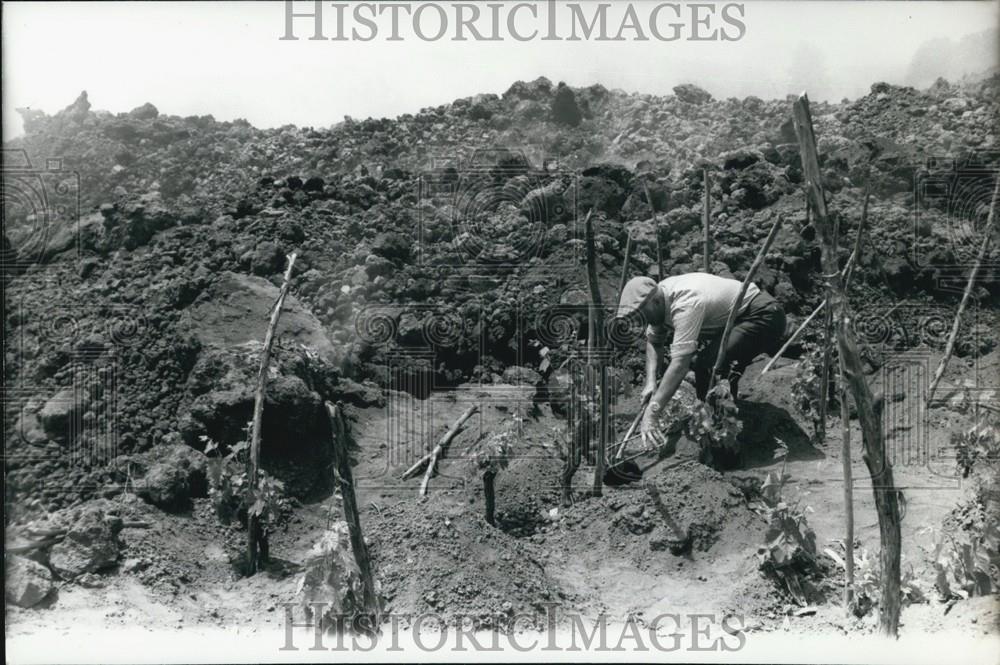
(226, 59)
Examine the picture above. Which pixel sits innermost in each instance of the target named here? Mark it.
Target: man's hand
(651, 428)
(647, 390)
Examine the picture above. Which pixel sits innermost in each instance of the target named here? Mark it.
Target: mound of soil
(443, 557)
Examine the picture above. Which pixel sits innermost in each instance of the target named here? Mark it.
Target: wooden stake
(845, 461)
(596, 307)
(656, 230)
(341, 440)
(720, 357)
(433, 456)
(595, 341)
(950, 346)
(824, 373)
(602, 437)
(628, 255)
(879, 467)
(489, 495)
(848, 273)
(255, 534)
(791, 340)
(856, 252)
(706, 222)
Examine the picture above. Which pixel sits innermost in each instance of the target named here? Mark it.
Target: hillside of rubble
(440, 258)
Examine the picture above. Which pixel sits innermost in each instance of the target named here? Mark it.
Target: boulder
(57, 414)
(91, 545)
(564, 107)
(266, 259)
(145, 112)
(26, 582)
(79, 108)
(177, 476)
(516, 375)
(363, 395)
(955, 104)
(536, 90)
(235, 310)
(393, 246)
(692, 94)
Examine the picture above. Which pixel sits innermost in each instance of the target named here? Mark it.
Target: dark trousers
(758, 330)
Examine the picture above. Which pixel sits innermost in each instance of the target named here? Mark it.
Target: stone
(362, 395)
(266, 259)
(178, 475)
(145, 112)
(392, 246)
(691, 94)
(955, 104)
(91, 545)
(517, 375)
(26, 582)
(564, 107)
(56, 415)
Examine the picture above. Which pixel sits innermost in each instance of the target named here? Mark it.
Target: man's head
(641, 296)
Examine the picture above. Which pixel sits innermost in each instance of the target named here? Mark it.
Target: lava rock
(178, 476)
(392, 246)
(26, 582)
(145, 112)
(266, 259)
(56, 415)
(692, 94)
(517, 375)
(565, 110)
(91, 545)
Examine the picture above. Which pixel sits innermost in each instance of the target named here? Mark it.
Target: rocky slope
(455, 229)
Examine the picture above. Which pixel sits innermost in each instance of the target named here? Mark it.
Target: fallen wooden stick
(27, 547)
(62, 531)
(444, 441)
(950, 346)
(739, 300)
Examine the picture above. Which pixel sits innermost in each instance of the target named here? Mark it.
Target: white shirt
(696, 303)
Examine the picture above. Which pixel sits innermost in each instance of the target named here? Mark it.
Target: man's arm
(676, 371)
(654, 357)
(672, 378)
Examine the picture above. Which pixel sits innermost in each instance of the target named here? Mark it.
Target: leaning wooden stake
(595, 342)
(879, 467)
(628, 256)
(791, 340)
(720, 357)
(256, 539)
(433, 456)
(341, 440)
(848, 272)
(706, 222)
(950, 346)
